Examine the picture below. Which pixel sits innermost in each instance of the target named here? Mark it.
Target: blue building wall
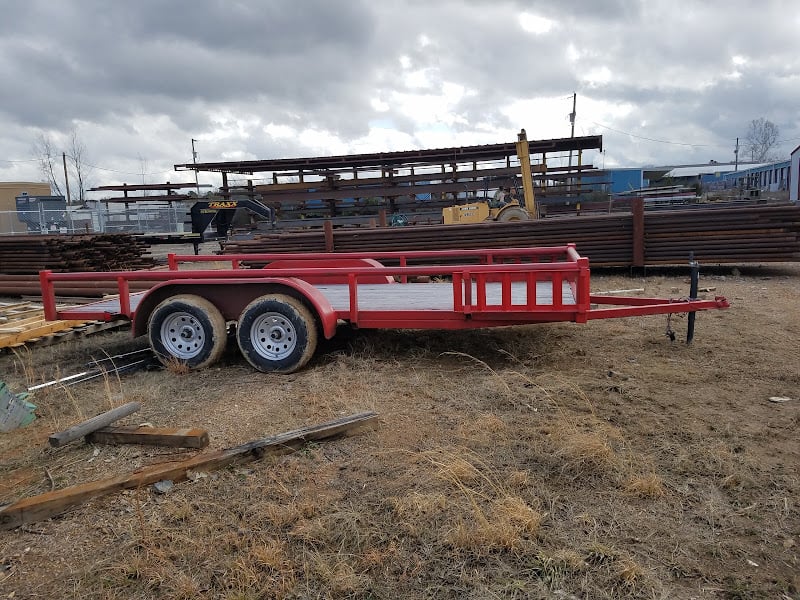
(625, 180)
(773, 177)
(616, 181)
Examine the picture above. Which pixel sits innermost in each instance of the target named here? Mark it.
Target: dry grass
(586, 452)
(176, 366)
(508, 464)
(645, 486)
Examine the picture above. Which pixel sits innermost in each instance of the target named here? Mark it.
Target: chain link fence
(101, 219)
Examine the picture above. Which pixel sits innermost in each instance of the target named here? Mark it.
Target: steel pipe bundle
(730, 235)
(606, 238)
(29, 254)
(740, 234)
(28, 285)
(721, 235)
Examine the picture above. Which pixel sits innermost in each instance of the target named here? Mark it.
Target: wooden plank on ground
(44, 506)
(151, 436)
(38, 330)
(13, 306)
(81, 429)
(28, 321)
(18, 314)
(77, 331)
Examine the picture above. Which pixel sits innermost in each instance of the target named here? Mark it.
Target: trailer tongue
(281, 303)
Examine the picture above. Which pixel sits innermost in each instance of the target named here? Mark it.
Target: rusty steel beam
(384, 186)
(267, 193)
(162, 198)
(351, 183)
(124, 187)
(382, 160)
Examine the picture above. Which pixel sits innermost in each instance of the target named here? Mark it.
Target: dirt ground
(548, 461)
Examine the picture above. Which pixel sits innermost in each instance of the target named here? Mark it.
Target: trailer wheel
(188, 329)
(277, 334)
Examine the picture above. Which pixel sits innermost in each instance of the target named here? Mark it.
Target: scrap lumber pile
(22, 323)
(715, 235)
(49, 504)
(29, 254)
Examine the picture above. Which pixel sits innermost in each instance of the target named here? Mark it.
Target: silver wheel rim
(183, 335)
(273, 336)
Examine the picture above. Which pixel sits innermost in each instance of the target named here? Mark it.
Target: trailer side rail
(518, 273)
(531, 267)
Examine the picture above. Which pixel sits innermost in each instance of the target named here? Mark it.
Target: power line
(641, 137)
(29, 160)
(126, 172)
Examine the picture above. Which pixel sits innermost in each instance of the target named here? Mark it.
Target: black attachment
(694, 281)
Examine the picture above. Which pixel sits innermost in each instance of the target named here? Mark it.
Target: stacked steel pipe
(605, 239)
(730, 235)
(28, 285)
(721, 235)
(101, 252)
(22, 257)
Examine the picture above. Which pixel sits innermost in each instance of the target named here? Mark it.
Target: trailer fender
(231, 296)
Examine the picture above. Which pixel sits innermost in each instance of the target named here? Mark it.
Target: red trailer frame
(483, 288)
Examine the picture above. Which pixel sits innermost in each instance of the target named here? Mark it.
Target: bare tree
(760, 139)
(77, 157)
(49, 162)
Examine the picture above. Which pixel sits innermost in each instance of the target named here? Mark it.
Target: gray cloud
(143, 78)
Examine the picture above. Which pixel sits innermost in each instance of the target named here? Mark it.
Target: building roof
(15, 184)
(696, 170)
(750, 169)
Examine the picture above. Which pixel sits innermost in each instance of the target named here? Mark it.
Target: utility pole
(571, 135)
(66, 177)
(194, 161)
(736, 154)
(572, 122)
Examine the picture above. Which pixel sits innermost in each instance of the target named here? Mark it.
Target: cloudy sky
(664, 82)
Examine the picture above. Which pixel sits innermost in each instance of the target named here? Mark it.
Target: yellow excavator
(476, 212)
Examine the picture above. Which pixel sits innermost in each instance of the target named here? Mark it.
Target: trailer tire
(188, 329)
(277, 334)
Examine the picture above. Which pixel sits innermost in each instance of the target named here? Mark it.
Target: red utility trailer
(281, 303)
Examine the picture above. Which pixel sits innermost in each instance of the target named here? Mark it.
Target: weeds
(553, 569)
(645, 486)
(175, 365)
(503, 468)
